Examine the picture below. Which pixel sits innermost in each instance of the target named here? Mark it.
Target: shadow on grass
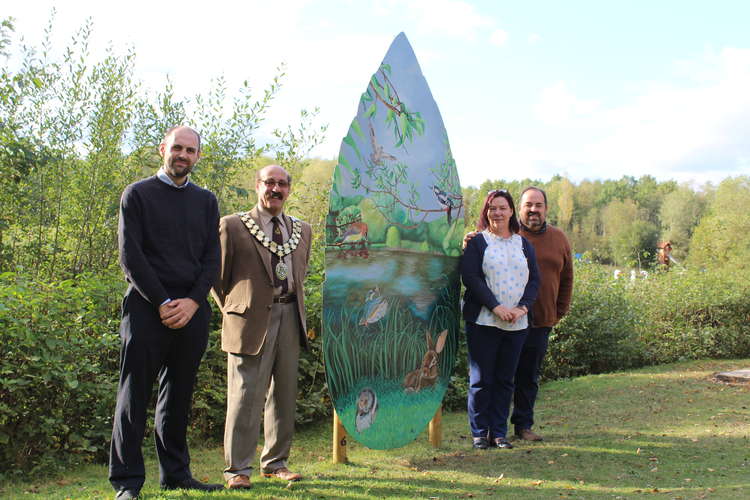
(651, 431)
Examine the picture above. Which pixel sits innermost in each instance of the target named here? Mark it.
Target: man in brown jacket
(553, 256)
(260, 290)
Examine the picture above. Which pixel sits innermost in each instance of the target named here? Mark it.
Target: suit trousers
(493, 358)
(271, 375)
(527, 377)
(150, 350)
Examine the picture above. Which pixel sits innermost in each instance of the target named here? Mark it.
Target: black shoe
(480, 443)
(192, 484)
(127, 494)
(503, 443)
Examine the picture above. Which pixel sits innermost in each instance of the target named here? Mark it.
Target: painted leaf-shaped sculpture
(393, 239)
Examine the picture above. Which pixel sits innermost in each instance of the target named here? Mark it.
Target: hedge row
(59, 352)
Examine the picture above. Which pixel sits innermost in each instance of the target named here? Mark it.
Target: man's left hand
(467, 238)
(178, 312)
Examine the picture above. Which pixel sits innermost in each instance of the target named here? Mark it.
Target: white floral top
(506, 273)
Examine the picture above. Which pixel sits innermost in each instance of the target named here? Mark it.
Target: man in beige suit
(260, 290)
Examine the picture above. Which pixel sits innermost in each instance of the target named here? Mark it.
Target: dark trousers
(527, 377)
(151, 351)
(493, 358)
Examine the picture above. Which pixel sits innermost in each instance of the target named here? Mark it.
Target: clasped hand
(506, 314)
(177, 312)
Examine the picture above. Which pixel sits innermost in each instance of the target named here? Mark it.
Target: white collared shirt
(166, 179)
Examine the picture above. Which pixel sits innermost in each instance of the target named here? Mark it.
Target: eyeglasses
(497, 191)
(270, 183)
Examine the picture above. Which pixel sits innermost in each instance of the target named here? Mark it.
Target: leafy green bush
(601, 331)
(58, 367)
(59, 351)
(694, 314)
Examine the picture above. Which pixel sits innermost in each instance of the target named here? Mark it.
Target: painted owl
(367, 407)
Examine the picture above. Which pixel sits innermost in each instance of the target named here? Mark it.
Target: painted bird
(445, 199)
(378, 153)
(355, 233)
(375, 307)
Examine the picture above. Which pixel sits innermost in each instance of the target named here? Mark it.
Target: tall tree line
(75, 130)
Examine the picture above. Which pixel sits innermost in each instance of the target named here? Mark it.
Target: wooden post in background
(339, 440)
(435, 428)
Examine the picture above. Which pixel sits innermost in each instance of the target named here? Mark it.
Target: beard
(179, 170)
(534, 220)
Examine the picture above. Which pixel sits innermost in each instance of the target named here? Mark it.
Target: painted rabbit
(427, 374)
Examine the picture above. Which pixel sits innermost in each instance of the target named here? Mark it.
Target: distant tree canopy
(620, 222)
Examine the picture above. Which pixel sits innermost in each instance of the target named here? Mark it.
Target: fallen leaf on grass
(655, 469)
(550, 462)
(537, 483)
(499, 478)
(638, 451)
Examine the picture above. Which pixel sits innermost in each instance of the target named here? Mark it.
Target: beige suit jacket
(244, 288)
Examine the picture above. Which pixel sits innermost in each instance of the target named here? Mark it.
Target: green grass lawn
(661, 432)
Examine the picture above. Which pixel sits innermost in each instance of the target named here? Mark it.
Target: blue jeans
(493, 358)
(527, 377)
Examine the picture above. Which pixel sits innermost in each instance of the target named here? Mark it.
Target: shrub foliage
(59, 351)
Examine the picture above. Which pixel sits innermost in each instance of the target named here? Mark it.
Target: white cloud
(557, 105)
(498, 37)
(448, 17)
(681, 130)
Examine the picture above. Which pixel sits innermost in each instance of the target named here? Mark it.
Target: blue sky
(587, 89)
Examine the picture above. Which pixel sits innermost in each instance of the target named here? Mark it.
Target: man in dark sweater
(169, 252)
(555, 264)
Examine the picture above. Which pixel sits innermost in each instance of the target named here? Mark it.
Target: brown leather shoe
(283, 473)
(239, 482)
(528, 435)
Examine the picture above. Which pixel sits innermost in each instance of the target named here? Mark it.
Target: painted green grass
(409, 412)
(388, 349)
(664, 432)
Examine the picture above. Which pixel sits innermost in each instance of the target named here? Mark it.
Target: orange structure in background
(663, 252)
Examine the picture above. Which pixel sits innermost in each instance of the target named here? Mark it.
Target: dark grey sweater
(169, 240)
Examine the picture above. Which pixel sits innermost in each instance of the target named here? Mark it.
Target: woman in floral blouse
(499, 271)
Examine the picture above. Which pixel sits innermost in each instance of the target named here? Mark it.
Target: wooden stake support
(339, 440)
(435, 428)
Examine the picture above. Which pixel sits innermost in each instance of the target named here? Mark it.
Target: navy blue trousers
(151, 351)
(527, 377)
(493, 358)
